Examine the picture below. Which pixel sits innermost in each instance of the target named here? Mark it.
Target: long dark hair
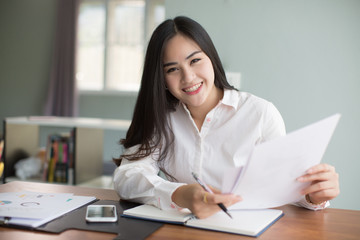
(149, 127)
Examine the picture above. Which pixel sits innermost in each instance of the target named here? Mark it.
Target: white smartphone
(101, 213)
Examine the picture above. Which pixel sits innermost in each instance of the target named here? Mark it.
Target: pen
(206, 188)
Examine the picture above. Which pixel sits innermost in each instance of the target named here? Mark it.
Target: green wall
(303, 55)
(26, 37)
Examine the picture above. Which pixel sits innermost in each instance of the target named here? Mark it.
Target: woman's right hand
(201, 203)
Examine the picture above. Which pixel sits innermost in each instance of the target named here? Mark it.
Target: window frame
(148, 17)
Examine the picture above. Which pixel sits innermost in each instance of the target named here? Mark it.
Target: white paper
(247, 222)
(269, 178)
(48, 206)
(149, 211)
(30, 204)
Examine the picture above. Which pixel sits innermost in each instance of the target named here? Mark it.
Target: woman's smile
(194, 89)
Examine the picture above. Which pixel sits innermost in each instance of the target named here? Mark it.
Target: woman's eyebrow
(169, 64)
(192, 54)
(174, 63)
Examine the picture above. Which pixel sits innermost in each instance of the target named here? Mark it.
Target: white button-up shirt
(228, 134)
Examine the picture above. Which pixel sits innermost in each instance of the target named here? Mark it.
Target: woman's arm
(138, 181)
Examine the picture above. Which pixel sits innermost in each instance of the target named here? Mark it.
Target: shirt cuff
(164, 192)
(304, 203)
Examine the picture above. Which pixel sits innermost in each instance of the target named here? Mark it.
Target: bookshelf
(22, 134)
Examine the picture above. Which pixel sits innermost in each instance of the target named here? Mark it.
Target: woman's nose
(188, 74)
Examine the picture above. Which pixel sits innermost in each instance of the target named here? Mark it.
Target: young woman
(189, 119)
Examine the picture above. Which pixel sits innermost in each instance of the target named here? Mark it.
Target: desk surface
(298, 223)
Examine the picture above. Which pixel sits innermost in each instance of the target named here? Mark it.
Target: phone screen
(101, 213)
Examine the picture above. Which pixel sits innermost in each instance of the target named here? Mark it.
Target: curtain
(62, 98)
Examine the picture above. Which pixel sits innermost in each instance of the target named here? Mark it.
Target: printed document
(269, 177)
(33, 209)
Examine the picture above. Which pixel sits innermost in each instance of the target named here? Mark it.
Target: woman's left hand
(324, 183)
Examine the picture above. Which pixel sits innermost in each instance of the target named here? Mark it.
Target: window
(112, 36)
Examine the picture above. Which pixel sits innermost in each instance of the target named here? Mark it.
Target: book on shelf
(1, 162)
(59, 158)
(244, 222)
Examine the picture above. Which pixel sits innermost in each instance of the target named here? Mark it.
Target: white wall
(302, 55)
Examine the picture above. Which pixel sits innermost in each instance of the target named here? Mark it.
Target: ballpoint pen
(206, 188)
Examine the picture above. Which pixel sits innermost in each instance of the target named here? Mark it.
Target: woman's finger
(322, 176)
(317, 187)
(322, 167)
(325, 195)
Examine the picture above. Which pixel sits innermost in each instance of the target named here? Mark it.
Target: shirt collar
(230, 98)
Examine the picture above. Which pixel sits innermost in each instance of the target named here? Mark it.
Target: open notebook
(244, 222)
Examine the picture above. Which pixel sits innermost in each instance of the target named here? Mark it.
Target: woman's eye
(170, 70)
(195, 60)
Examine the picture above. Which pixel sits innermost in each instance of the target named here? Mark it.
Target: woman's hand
(324, 183)
(201, 203)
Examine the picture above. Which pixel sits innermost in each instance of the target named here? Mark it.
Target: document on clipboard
(269, 177)
(33, 209)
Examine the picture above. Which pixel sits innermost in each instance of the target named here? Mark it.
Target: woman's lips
(194, 89)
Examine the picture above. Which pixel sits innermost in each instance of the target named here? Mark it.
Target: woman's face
(188, 71)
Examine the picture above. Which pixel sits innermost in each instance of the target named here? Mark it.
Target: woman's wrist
(177, 196)
(308, 199)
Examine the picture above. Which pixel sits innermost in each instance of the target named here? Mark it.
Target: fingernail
(300, 179)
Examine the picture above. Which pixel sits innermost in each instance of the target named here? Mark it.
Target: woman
(189, 119)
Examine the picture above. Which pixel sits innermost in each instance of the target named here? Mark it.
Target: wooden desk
(298, 223)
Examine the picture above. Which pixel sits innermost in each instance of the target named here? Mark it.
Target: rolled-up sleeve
(139, 181)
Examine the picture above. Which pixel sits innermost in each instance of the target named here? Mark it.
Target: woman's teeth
(193, 88)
